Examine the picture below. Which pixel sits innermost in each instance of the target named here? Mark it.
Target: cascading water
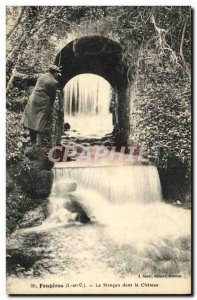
(100, 189)
(109, 185)
(130, 194)
(118, 184)
(132, 231)
(87, 105)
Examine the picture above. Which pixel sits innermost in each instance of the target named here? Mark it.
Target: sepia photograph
(98, 150)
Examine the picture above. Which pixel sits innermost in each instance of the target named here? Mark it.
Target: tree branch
(30, 34)
(181, 50)
(160, 31)
(16, 24)
(21, 79)
(53, 14)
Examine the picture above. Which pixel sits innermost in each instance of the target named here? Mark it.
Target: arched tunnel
(101, 56)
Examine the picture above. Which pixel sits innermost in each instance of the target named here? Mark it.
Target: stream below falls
(132, 233)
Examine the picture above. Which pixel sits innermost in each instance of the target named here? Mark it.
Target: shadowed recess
(93, 54)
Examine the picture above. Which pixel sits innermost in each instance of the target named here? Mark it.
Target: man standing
(37, 110)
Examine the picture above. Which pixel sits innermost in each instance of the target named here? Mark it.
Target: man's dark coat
(37, 110)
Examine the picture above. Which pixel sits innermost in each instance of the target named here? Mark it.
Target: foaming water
(137, 224)
(89, 126)
(132, 232)
(127, 200)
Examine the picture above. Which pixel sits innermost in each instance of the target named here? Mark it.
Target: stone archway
(101, 56)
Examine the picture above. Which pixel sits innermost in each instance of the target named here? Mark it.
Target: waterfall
(87, 105)
(127, 230)
(117, 184)
(97, 190)
(123, 208)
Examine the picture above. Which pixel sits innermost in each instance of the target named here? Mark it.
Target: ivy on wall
(155, 43)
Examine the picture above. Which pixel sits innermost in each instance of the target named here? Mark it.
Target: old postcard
(98, 150)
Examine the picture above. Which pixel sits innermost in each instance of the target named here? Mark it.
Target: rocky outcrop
(28, 184)
(35, 175)
(34, 217)
(66, 126)
(73, 205)
(37, 182)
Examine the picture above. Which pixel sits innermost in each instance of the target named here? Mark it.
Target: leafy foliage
(164, 119)
(156, 48)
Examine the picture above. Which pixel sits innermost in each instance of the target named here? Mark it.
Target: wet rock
(9, 183)
(74, 206)
(36, 157)
(79, 148)
(178, 202)
(66, 126)
(72, 143)
(96, 143)
(34, 217)
(82, 218)
(38, 183)
(17, 261)
(43, 183)
(107, 143)
(86, 144)
(107, 137)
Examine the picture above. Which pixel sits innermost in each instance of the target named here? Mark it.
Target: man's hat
(54, 68)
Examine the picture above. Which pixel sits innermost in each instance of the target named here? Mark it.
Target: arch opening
(103, 57)
(87, 107)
